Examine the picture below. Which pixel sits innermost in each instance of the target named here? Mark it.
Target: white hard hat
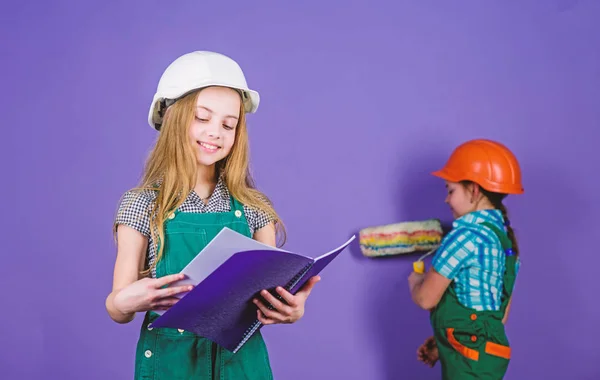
(196, 70)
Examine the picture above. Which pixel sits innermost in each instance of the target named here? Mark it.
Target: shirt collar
(219, 194)
(493, 216)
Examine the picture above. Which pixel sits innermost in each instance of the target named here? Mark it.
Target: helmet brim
(250, 99)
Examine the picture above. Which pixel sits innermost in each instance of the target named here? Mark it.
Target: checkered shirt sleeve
(456, 250)
(134, 210)
(257, 219)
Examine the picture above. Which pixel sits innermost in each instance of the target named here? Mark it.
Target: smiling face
(212, 132)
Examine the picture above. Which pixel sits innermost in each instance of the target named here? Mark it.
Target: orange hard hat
(488, 163)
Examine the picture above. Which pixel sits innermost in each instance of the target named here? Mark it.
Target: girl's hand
(282, 313)
(146, 294)
(415, 279)
(428, 352)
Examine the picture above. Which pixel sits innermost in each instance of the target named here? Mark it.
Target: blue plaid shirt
(472, 256)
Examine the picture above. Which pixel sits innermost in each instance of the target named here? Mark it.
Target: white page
(335, 249)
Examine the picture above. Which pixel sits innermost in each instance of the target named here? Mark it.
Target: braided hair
(496, 201)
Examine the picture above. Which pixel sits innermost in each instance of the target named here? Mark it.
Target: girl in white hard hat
(197, 174)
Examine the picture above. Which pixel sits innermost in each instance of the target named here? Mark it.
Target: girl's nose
(212, 129)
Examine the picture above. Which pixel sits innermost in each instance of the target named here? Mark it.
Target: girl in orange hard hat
(469, 287)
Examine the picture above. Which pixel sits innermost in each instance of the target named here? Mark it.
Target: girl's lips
(207, 147)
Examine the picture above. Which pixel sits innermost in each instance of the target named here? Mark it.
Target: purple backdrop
(359, 104)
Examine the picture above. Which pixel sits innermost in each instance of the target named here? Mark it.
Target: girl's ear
(479, 194)
(475, 192)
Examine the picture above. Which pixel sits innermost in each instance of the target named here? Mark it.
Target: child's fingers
(164, 303)
(308, 287)
(171, 291)
(273, 315)
(278, 305)
(264, 320)
(166, 280)
(422, 354)
(287, 296)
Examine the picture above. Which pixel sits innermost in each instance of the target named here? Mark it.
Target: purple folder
(220, 306)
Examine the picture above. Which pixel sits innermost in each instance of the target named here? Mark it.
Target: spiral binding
(294, 281)
(290, 285)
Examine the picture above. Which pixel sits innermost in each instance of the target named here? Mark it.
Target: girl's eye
(201, 119)
(228, 127)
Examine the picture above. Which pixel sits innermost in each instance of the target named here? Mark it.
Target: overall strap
(504, 240)
(235, 204)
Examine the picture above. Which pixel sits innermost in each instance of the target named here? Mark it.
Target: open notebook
(227, 274)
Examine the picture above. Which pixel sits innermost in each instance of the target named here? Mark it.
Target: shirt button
(238, 213)
(148, 353)
(172, 216)
(150, 327)
(180, 331)
(473, 317)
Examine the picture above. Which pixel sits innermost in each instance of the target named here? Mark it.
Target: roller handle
(419, 267)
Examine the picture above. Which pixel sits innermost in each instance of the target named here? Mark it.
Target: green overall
(174, 354)
(473, 344)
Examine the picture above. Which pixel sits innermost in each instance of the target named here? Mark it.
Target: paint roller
(401, 239)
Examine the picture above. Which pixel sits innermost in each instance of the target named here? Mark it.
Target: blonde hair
(171, 170)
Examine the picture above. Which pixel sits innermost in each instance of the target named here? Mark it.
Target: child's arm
(131, 247)
(506, 312)
(453, 254)
(427, 290)
(517, 266)
(130, 294)
(266, 235)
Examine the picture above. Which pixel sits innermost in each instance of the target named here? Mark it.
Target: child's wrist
(121, 314)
